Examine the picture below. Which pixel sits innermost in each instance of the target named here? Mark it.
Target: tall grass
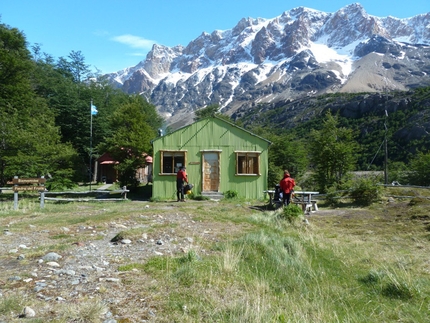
(89, 310)
(286, 273)
(259, 266)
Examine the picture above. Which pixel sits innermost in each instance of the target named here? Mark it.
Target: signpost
(18, 181)
(28, 188)
(32, 184)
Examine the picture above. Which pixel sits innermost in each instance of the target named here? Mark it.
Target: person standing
(287, 186)
(181, 178)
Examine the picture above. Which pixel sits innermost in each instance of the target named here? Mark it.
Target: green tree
(29, 140)
(74, 67)
(286, 152)
(130, 141)
(332, 152)
(419, 170)
(210, 111)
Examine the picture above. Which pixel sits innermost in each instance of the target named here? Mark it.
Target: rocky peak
(245, 23)
(303, 52)
(159, 60)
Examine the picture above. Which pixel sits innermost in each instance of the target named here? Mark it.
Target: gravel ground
(88, 268)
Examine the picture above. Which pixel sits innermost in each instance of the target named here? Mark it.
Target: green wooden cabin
(219, 156)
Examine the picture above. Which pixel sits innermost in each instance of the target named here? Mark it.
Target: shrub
(201, 198)
(198, 197)
(333, 196)
(419, 166)
(291, 213)
(365, 191)
(230, 194)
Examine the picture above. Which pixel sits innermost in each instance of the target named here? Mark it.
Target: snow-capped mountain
(300, 53)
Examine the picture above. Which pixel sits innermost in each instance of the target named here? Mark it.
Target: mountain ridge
(303, 52)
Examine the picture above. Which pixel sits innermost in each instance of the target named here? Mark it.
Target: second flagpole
(91, 140)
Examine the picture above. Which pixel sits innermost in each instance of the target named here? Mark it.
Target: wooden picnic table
(306, 199)
(271, 193)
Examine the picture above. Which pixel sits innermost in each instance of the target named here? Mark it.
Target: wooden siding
(211, 135)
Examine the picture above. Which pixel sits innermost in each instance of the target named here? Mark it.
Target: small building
(106, 169)
(108, 174)
(219, 157)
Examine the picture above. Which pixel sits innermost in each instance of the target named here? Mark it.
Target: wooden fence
(70, 196)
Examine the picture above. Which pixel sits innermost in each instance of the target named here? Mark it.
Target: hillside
(406, 114)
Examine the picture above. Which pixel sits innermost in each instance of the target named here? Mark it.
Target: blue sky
(115, 34)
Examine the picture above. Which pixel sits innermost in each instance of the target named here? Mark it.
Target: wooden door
(210, 171)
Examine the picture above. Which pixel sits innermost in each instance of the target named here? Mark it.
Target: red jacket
(287, 184)
(182, 175)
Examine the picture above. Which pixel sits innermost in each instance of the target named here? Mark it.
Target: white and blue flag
(93, 109)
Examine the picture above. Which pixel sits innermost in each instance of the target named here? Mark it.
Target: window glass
(171, 161)
(247, 163)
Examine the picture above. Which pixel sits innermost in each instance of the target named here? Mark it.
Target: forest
(57, 117)
(47, 125)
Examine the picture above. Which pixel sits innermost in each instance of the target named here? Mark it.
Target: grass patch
(10, 304)
(242, 262)
(130, 267)
(90, 310)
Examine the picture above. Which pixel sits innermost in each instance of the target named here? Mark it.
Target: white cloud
(134, 41)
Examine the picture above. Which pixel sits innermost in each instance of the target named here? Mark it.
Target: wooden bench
(98, 196)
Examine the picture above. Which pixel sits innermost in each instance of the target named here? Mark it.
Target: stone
(28, 312)
(52, 256)
(110, 279)
(68, 272)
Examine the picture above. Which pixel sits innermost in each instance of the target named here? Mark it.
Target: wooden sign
(18, 181)
(28, 188)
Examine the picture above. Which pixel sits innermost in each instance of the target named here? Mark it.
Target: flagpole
(386, 150)
(91, 139)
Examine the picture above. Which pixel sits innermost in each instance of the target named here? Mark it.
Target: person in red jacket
(181, 178)
(287, 186)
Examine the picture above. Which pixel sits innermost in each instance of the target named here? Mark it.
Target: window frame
(255, 155)
(173, 152)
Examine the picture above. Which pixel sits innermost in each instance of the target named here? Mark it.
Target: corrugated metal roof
(221, 119)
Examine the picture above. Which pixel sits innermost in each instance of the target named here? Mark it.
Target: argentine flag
(93, 109)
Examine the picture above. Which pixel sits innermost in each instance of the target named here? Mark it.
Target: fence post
(42, 195)
(15, 196)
